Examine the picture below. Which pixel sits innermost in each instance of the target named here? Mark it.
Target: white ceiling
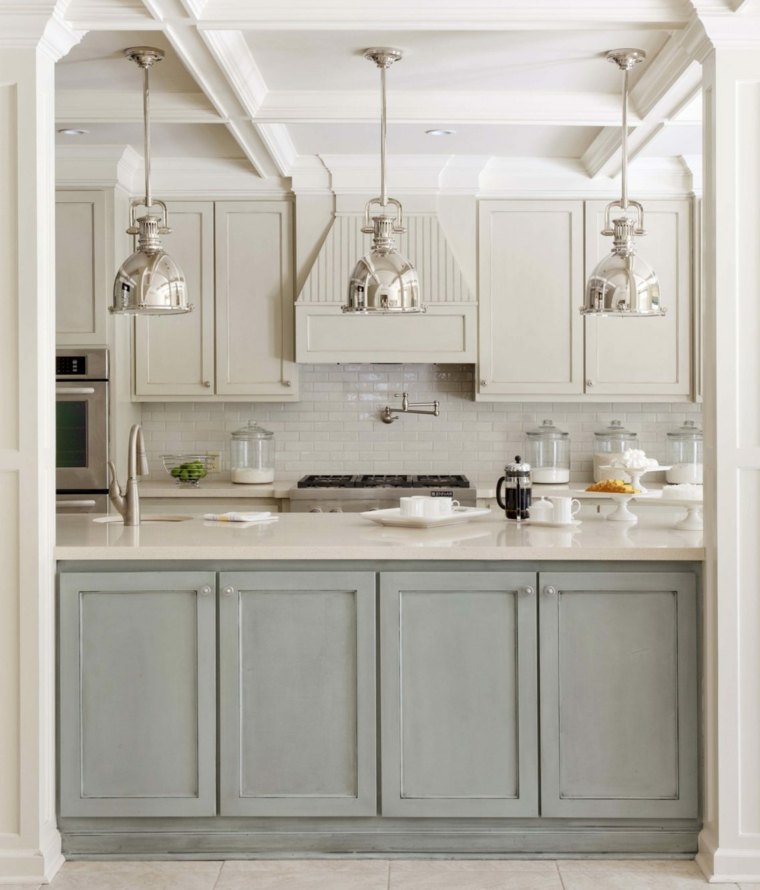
(274, 81)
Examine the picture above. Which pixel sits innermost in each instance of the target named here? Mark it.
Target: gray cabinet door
(137, 694)
(618, 665)
(459, 694)
(297, 693)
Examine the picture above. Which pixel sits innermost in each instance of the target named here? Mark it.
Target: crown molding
(213, 178)
(557, 177)
(728, 24)
(410, 174)
(310, 176)
(97, 166)
(38, 25)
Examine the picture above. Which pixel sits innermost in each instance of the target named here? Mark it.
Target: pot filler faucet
(389, 414)
(129, 504)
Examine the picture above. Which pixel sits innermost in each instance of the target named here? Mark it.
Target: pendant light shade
(623, 284)
(383, 281)
(149, 282)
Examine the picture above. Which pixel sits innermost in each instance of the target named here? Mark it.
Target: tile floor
(378, 874)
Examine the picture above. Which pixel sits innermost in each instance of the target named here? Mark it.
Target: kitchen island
(321, 685)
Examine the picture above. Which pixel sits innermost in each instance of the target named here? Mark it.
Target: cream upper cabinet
(82, 280)
(237, 343)
(530, 291)
(645, 356)
(254, 300)
(174, 355)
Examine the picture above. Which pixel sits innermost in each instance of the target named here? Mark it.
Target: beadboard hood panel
(446, 332)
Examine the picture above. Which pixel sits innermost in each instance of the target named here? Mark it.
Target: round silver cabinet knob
(529, 591)
(286, 383)
(483, 383)
(205, 590)
(589, 384)
(550, 591)
(315, 510)
(335, 510)
(207, 384)
(228, 591)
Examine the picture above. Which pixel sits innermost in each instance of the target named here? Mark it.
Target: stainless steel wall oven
(81, 430)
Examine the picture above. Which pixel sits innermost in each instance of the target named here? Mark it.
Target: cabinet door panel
(254, 300)
(174, 355)
(531, 290)
(82, 286)
(298, 693)
(137, 694)
(618, 695)
(458, 670)
(645, 356)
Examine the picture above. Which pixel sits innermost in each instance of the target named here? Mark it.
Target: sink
(150, 517)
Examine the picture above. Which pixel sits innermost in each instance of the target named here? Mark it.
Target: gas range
(345, 493)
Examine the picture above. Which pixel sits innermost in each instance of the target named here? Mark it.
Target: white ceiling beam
(116, 106)
(234, 57)
(442, 106)
(398, 15)
(669, 83)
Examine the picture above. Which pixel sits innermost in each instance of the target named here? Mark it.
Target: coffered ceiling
(278, 82)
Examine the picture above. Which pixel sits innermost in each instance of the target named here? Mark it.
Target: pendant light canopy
(623, 284)
(383, 281)
(149, 282)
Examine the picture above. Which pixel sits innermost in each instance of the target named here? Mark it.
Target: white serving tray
(549, 523)
(394, 518)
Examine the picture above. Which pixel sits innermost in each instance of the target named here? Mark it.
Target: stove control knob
(315, 510)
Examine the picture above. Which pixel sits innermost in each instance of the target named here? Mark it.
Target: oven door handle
(75, 390)
(83, 503)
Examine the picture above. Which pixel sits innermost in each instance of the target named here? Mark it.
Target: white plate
(394, 518)
(546, 523)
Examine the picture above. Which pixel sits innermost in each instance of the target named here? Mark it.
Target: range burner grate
(372, 480)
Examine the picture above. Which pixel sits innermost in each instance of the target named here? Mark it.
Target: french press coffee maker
(517, 490)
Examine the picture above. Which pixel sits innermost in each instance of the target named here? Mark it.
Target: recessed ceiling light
(440, 132)
(73, 131)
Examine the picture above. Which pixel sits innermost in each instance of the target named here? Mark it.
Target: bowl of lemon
(186, 469)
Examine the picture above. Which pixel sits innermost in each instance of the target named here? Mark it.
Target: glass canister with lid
(685, 448)
(549, 454)
(613, 439)
(252, 455)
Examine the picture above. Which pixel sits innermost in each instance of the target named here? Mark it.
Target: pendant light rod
(145, 57)
(383, 57)
(146, 135)
(625, 59)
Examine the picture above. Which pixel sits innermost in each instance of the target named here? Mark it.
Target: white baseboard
(722, 865)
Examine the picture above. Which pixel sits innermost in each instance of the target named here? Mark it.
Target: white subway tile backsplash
(336, 427)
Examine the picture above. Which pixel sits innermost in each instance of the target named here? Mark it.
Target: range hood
(445, 333)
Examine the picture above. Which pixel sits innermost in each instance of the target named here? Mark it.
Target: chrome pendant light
(383, 281)
(149, 282)
(623, 284)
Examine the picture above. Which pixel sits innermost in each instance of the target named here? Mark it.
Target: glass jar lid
(688, 430)
(616, 430)
(518, 468)
(252, 431)
(547, 430)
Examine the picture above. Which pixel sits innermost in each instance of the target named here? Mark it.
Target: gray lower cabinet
(137, 693)
(618, 665)
(297, 693)
(459, 694)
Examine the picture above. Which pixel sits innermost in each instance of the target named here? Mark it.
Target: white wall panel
(9, 654)
(8, 268)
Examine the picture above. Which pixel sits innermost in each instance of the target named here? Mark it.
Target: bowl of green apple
(186, 469)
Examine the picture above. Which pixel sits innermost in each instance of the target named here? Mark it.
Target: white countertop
(213, 487)
(339, 536)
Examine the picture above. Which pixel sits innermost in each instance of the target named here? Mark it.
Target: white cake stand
(693, 521)
(622, 513)
(634, 476)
